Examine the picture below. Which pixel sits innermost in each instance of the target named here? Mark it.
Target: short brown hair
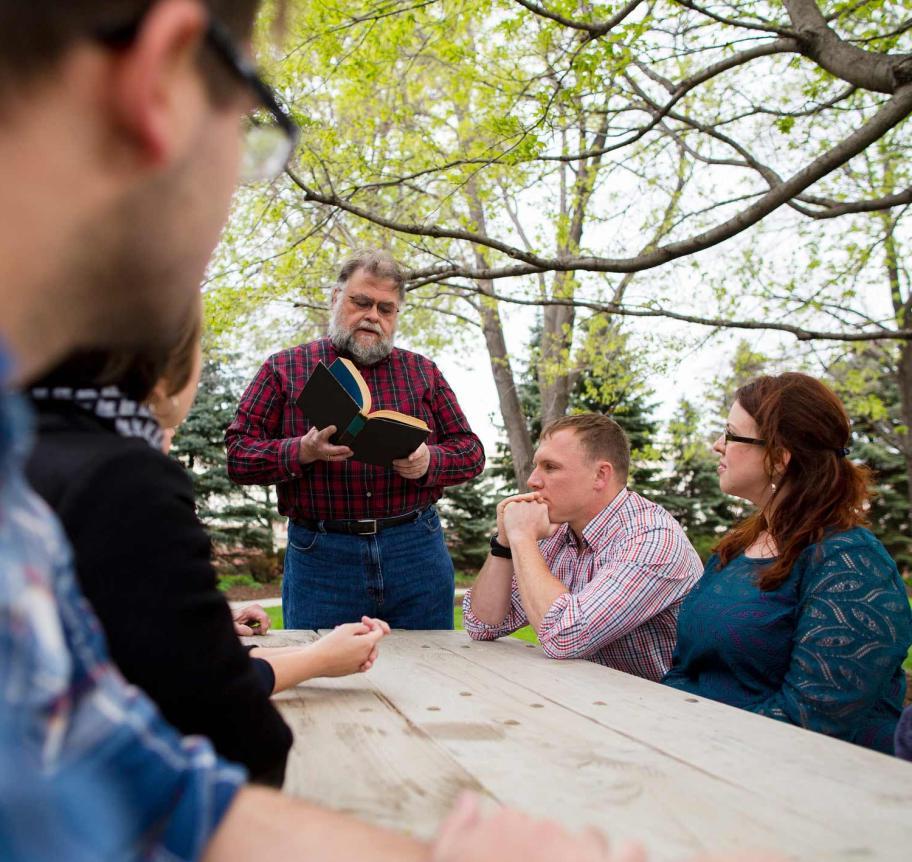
(36, 34)
(135, 373)
(378, 262)
(601, 437)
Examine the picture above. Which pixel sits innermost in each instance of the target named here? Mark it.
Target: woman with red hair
(801, 614)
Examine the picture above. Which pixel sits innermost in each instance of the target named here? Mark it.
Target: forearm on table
(492, 591)
(538, 588)
(290, 665)
(293, 829)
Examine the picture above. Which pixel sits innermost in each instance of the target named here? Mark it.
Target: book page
(400, 417)
(347, 374)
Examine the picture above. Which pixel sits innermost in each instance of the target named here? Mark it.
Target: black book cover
(375, 439)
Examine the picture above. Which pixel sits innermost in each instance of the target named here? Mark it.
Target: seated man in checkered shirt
(598, 571)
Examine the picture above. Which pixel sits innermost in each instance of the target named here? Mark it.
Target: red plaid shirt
(263, 439)
(627, 579)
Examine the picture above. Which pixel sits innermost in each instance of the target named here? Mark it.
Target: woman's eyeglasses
(728, 437)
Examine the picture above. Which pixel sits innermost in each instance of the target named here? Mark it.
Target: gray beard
(345, 342)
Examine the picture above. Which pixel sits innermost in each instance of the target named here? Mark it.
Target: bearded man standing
(362, 539)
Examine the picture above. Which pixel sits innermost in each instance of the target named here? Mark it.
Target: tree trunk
(518, 436)
(904, 381)
(553, 371)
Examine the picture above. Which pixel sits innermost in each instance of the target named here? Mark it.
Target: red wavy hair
(820, 491)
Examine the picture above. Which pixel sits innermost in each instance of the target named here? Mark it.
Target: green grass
(526, 634)
(226, 582)
(275, 617)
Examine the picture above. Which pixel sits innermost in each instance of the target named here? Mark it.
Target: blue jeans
(403, 575)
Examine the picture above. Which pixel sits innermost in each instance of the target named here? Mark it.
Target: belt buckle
(372, 532)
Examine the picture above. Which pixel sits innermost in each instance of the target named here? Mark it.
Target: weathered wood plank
(354, 752)
(584, 744)
(825, 798)
(282, 638)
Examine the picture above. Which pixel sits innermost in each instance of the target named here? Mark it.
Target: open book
(337, 395)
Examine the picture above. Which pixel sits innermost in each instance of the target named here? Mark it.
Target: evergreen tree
(872, 401)
(236, 516)
(692, 494)
(616, 388)
(468, 512)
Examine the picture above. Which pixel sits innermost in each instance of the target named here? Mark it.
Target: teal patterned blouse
(823, 651)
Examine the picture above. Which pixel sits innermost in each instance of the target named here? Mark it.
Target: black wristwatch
(498, 550)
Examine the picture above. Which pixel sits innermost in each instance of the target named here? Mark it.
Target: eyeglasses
(270, 135)
(365, 303)
(728, 437)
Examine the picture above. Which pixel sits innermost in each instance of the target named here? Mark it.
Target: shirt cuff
(432, 477)
(551, 620)
(476, 627)
(288, 458)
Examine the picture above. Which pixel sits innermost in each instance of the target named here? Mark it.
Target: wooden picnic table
(584, 744)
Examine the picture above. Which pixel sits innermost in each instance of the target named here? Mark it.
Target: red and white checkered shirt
(626, 580)
(264, 437)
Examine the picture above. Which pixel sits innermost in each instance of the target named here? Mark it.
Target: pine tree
(692, 493)
(468, 512)
(872, 401)
(617, 388)
(236, 516)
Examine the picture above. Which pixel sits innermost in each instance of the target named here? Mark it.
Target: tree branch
(593, 30)
(881, 73)
(799, 332)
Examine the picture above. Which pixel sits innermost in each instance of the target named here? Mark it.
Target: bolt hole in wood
(537, 705)
(691, 700)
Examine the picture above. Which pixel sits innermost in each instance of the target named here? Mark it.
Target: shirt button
(369, 494)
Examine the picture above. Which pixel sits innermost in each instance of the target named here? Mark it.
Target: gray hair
(378, 262)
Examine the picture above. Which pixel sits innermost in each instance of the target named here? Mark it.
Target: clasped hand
(523, 515)
(349, 648)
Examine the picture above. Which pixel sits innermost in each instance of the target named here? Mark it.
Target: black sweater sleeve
(143, 560)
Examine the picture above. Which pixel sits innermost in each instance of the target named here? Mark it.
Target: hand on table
(349, 648)
(416, 465)
(507, 834)
(315, 446)
(251, 620)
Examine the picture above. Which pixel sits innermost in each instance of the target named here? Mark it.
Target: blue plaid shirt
(89, 770)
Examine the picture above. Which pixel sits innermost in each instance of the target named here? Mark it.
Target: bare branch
(733, 22)
(890, 114)
(780, 46)
(882, 73)
(837, 208)
(592, 29)
(799, 332)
